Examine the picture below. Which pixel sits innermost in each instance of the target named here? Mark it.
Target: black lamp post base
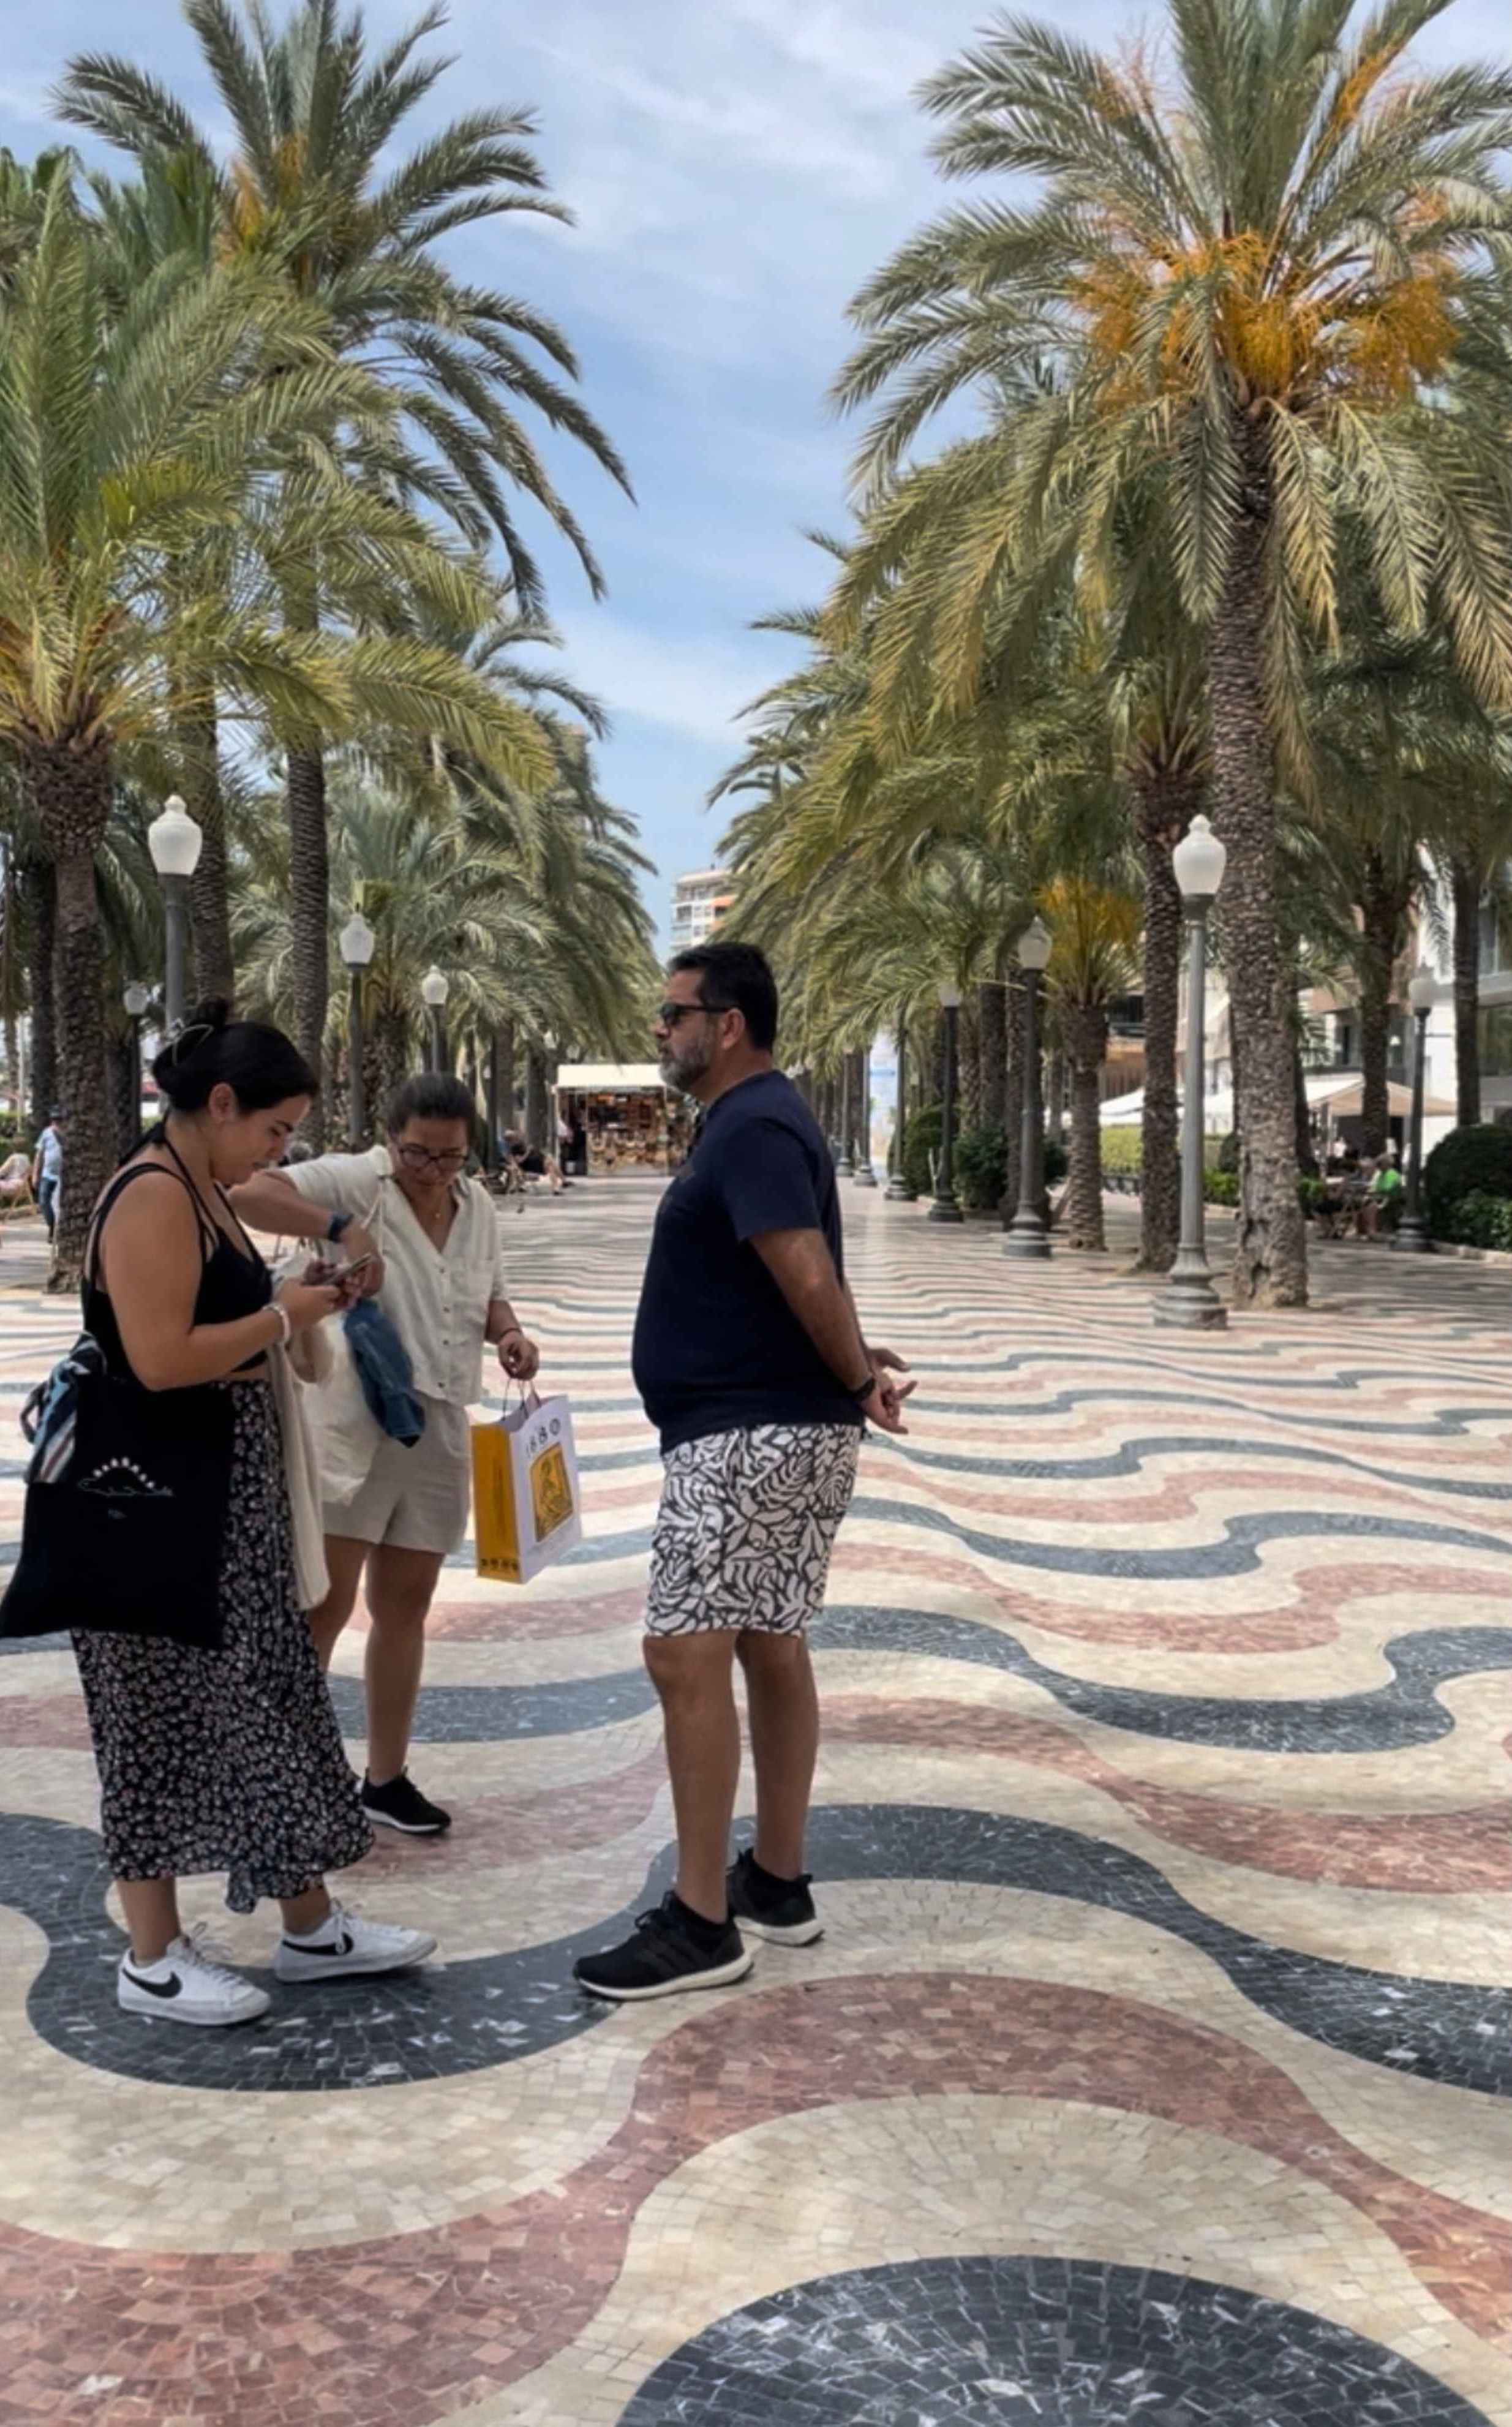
(865, 1176)
(899, 1193)
(1412, 1238)
(1188, 1302)
(944, 1208)
(1028, 1241)
(845, 1169)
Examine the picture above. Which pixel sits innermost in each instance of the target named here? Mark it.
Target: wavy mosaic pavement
(1157, 2062)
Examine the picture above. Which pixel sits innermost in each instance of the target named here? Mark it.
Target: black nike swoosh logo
(173, 1987)
(343, 1946)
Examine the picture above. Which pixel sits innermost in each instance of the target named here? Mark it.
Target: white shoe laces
(205, 1954)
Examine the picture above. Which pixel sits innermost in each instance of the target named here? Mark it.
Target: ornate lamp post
(865, 1176)
(358, 945)
(1412, 1238)
(845, 1169)
(175, 843)
(899, 1191)
(136, 1000)
(434, 987)
(945, 1208)
(1029, 1237)
(1189, 1300)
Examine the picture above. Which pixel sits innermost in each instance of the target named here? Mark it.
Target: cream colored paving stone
(871, 2185)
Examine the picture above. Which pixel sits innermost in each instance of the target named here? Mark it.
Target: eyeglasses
(419, 1157)
(672, 1015)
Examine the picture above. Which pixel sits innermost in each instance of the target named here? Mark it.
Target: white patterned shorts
(745, 1529)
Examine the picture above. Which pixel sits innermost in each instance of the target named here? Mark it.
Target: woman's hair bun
(259, 1064)
(214, 1015)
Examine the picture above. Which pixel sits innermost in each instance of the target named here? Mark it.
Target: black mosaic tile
(465, 2017)
(1035, 2342)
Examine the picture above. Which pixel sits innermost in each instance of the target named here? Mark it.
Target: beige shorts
(415, 1499)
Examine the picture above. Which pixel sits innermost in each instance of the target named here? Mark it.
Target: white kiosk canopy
(608, 1078)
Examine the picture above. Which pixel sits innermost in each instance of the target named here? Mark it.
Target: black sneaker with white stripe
(780, 1911)
(671, 1948)
(399, 1804)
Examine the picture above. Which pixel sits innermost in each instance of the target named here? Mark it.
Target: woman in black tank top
(227, 1759)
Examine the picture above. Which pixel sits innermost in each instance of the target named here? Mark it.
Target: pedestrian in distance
(223, 1754)
(750, 1358)
(424, 1240)
(47, 1169)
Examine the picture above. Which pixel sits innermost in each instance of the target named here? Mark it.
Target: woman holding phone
(425, 1239)
(225, 1759)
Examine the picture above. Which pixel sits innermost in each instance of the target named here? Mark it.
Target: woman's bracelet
(285, 1328)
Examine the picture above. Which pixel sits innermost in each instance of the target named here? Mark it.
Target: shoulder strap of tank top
(123, 1181)
(206, 1217)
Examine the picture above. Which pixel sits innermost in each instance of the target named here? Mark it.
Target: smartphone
(358, 1264)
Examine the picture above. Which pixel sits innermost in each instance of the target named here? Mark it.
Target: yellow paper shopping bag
(526, 1510)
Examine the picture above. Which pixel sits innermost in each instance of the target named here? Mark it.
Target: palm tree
(1093, 961)
(1258, 292)
(310, 190)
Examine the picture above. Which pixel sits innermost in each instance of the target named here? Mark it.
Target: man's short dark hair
(737, 977)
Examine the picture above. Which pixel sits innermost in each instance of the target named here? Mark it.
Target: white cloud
(684, 682)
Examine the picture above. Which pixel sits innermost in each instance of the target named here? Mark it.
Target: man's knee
(686, 1668)
(776, 1657)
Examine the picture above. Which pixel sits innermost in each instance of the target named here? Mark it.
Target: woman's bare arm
(149, 1263)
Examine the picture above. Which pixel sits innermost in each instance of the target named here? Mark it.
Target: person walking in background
(750, 1358)
(47, 1169)
(427, 1240)
(223, 1755)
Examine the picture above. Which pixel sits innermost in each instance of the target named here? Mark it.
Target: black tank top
(232, 1283)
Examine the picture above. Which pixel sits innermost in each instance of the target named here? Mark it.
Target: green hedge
(982, 1169)
(1057, 1163)
(1473, 1162)
(1480, 1220)
(922, 1139)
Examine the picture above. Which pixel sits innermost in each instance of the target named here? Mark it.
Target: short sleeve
(764, 1178)
(343, 1183)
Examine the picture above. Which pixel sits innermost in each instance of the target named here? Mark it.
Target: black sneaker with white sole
(401, 1806)
(781, 1911)
(670, 1950)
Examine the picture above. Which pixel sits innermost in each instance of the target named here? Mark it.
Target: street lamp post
(175, 843)
(1029, 1237)
(1412, 1238)
(358, 945)
(899, 1191)
(137, 1001)
(865, 1176)
(945, 1208)
(1189, 1300)
(845, 1169)
(434, 987)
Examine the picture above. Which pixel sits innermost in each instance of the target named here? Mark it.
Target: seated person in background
(1381, 1200)
(534, 1162)
(15, 1176)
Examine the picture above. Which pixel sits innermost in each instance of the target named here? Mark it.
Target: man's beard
(684, 1069)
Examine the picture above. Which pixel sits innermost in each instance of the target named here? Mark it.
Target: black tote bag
(129, 1539)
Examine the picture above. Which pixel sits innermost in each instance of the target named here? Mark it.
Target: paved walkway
(1155, 2065)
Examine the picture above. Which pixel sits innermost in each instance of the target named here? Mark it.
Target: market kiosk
(620, 1118)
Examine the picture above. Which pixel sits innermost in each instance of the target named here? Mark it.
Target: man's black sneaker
(401, 1805)
(671, 1949)
(780, 1910)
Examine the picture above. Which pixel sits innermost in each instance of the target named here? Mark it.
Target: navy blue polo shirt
(717, 1348)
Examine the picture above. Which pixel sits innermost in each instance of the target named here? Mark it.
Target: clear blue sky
(737, 166)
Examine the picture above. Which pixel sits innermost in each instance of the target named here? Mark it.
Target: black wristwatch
(339, 1222)
(863, 1390)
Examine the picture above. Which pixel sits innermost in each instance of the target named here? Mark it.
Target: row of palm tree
(264, 463)
(1231, 530)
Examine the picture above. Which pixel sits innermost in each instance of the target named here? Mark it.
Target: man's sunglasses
(672, 1015)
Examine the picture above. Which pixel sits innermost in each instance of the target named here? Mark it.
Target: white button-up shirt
(437, 1298)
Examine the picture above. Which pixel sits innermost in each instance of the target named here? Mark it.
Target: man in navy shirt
(750, 1362)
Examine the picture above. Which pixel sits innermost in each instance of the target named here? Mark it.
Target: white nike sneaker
(188, 1985)
(347, 1942)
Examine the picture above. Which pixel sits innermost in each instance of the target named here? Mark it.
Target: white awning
(610, 1078)
(1340, 1090)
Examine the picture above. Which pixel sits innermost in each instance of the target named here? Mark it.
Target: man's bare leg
(693, 1676)
(784, 1709)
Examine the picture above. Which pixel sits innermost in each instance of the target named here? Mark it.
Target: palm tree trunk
(970, 1050)
(1380, 926)
(507, 1052)
(535, 1096)
(125, 1092)
(1466, 885)
(392, 1039)
(71, 790)
(210, 902)
(1165, 808)
(992, 1014)
(1270, 1239)
(1086, 1027)
(1055, 1094)
(39, 885)
(309, 901)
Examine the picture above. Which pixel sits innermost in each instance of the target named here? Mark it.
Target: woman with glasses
(430, 1239)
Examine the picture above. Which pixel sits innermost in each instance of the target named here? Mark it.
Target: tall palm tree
(1258, 289)
(311, 189)
(1093, 961)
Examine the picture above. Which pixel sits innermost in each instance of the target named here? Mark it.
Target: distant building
(698, 903)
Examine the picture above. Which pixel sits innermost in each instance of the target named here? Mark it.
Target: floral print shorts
(746, 1526)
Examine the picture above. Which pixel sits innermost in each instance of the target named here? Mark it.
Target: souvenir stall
(617, 1117)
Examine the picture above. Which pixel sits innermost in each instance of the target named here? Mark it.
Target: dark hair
(434, 1096)
(260, 1065)
(737, 977)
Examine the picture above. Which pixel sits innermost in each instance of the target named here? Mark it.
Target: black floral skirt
(230, 1760)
